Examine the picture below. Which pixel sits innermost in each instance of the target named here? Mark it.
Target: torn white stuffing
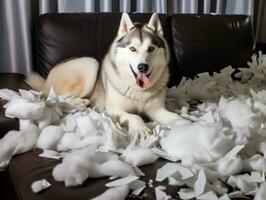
(49, 137)
(31, 110)
(15, 142)
(204, 145)
(77, 166)
(138, 156)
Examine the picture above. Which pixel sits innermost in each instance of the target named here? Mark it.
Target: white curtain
(16, 20)
(15, 36)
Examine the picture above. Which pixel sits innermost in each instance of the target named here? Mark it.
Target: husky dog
(131, 81)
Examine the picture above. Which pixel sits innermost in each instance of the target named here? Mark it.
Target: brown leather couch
(198, 43)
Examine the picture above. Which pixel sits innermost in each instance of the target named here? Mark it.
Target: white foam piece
(16, 142)
(230, 163)
(208, 196)
(161, 195)
(257, 177)
(7, 94)
(164, 155)
(237, 194)
(227, 167)
(78, 165)
(138, 156)
(23, 109)
(258, 162)
(170, 169)
(30, 94)
(217, 186)
(149, 141)
(166, 171)
(115, 167)
(233, 152)
(52, 95)
(138, 171)
(186, 193)
(138, 190)
(208, 118)
(48, 117)
(185, 172)
(85, 125)
(261, 193)
(137, 186)
(200, 183)
(122, 181)
(50, 154)
(245, 186)
(49, 137)
(40, 185)
(24, 123)
(237, 111)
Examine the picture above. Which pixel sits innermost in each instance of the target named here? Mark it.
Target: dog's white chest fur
(128, 100)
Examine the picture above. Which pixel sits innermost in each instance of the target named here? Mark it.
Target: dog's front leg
(156, 111)
(135, 124)
(164, 116)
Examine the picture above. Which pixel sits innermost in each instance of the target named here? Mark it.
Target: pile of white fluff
(221, 154)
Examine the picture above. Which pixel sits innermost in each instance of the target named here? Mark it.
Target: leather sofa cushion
(28, 167)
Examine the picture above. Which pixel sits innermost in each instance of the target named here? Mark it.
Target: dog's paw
(138, 129)
(79, 102)
(142, 134)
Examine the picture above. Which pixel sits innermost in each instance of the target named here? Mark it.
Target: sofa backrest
(205, 43)
(197, 43)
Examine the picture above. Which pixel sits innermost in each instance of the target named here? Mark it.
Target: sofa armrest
(10, 81)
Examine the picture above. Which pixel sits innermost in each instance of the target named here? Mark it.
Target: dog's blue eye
(150, 49)
(132, 49)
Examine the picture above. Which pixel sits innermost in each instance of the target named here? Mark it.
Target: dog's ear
(155, 24)
(125, 25)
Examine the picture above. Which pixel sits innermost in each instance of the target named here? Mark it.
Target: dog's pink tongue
(142, 80)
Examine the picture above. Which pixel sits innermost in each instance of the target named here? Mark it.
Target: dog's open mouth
(142, 79)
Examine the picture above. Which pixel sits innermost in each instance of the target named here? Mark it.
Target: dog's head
(140, 51)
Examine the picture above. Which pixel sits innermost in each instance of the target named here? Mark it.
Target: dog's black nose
(143, 67)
